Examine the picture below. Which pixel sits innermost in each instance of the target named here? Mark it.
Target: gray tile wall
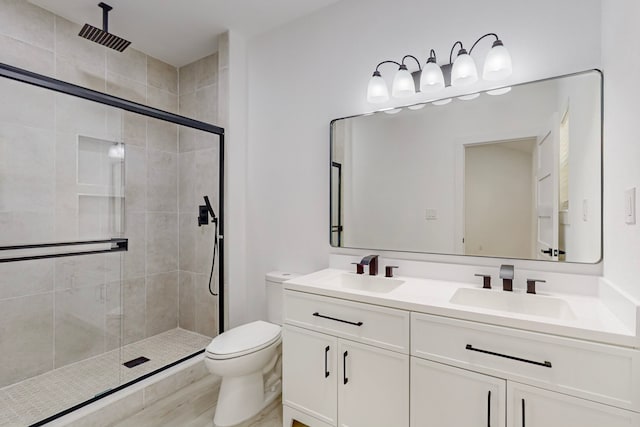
(197, 177)
(56, 312)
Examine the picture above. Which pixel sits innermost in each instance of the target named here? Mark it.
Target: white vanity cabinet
(478, 353)
(335, 377)
(310, 373)
(444, 396)
(533, 407)
(354, 364)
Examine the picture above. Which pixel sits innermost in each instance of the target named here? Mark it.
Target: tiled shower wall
(53, 313)
(198, 177)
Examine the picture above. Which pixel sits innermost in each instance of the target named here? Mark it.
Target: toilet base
(234, 408)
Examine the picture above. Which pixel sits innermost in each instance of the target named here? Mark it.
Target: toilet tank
(274, 281)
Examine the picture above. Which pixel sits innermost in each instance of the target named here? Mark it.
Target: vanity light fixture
(458, 73)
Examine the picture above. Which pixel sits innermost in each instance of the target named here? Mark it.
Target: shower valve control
(203, 217)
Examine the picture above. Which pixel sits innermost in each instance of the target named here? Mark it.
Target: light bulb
(377, 91)
(431, 78)
(497, 65)
(403, 85)
(464, 71)
(116, 151)
(392, 111)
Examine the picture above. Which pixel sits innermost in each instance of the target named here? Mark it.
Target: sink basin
(535, 305)
(364, 282)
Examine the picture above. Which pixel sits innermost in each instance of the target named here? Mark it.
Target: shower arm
(105, 16)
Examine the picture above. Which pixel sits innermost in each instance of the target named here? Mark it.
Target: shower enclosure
(104, 271)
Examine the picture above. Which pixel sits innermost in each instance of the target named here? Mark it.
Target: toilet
(247, 358)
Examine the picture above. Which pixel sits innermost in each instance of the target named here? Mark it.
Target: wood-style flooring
(194, 406)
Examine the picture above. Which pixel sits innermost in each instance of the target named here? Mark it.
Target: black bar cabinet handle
(326, 353)
(546, 363)
(117, 245)
(523, 417)
(316, 314)
(489, 409)
(344, 364)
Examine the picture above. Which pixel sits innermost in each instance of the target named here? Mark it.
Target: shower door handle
(117, 244)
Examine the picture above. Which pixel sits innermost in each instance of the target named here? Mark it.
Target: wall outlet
(630, 206)
(431, 214)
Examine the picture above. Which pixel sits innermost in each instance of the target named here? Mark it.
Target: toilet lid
(245, 338)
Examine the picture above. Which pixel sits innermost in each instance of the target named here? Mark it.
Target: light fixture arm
(414, 58)
(486, 35)
(452, 49)
(386, 62)
(432, 56)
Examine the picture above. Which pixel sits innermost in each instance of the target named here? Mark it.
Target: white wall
(236, 184)
(315, 69)
(621, 140)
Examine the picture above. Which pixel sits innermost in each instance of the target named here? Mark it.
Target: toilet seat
(243, 340)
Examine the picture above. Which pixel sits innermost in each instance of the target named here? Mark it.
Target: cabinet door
(309, 373)
(373, 386)
(444, 396)
(533, 407)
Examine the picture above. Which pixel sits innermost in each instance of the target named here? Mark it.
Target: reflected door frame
(459, 168)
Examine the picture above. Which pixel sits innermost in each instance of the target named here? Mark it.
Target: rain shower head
(104, 37)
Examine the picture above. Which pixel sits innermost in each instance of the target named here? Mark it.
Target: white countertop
(593, 321)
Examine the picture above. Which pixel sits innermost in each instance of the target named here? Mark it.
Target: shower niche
(100, 187)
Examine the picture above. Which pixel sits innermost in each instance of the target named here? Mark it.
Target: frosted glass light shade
(431, 78)
(469, 97)
(497, 66)
(403, 85)
(500, 91)
(442, 101)
(464, 71)
(116, 152)
(377, 91)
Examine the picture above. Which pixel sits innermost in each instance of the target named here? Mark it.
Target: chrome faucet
(372, 262)
(506, 274)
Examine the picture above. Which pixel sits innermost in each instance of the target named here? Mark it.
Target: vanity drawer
(370, 324)
(599, 372)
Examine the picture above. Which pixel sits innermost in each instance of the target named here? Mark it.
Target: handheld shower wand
(203, 219)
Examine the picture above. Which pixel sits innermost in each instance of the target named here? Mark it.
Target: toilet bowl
(247, 358)
(242, 357)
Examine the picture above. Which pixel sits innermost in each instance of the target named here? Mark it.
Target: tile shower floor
(37, 398)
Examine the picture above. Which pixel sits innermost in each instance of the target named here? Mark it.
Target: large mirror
(509, 175)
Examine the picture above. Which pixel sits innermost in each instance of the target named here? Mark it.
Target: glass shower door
(62, 240)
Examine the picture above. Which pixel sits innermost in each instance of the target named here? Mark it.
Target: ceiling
(182, 31)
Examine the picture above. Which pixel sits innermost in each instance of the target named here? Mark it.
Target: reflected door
(547, 191)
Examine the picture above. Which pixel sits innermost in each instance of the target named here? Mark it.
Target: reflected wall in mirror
(517, 175)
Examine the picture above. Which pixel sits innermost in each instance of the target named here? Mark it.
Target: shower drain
(135, 362)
